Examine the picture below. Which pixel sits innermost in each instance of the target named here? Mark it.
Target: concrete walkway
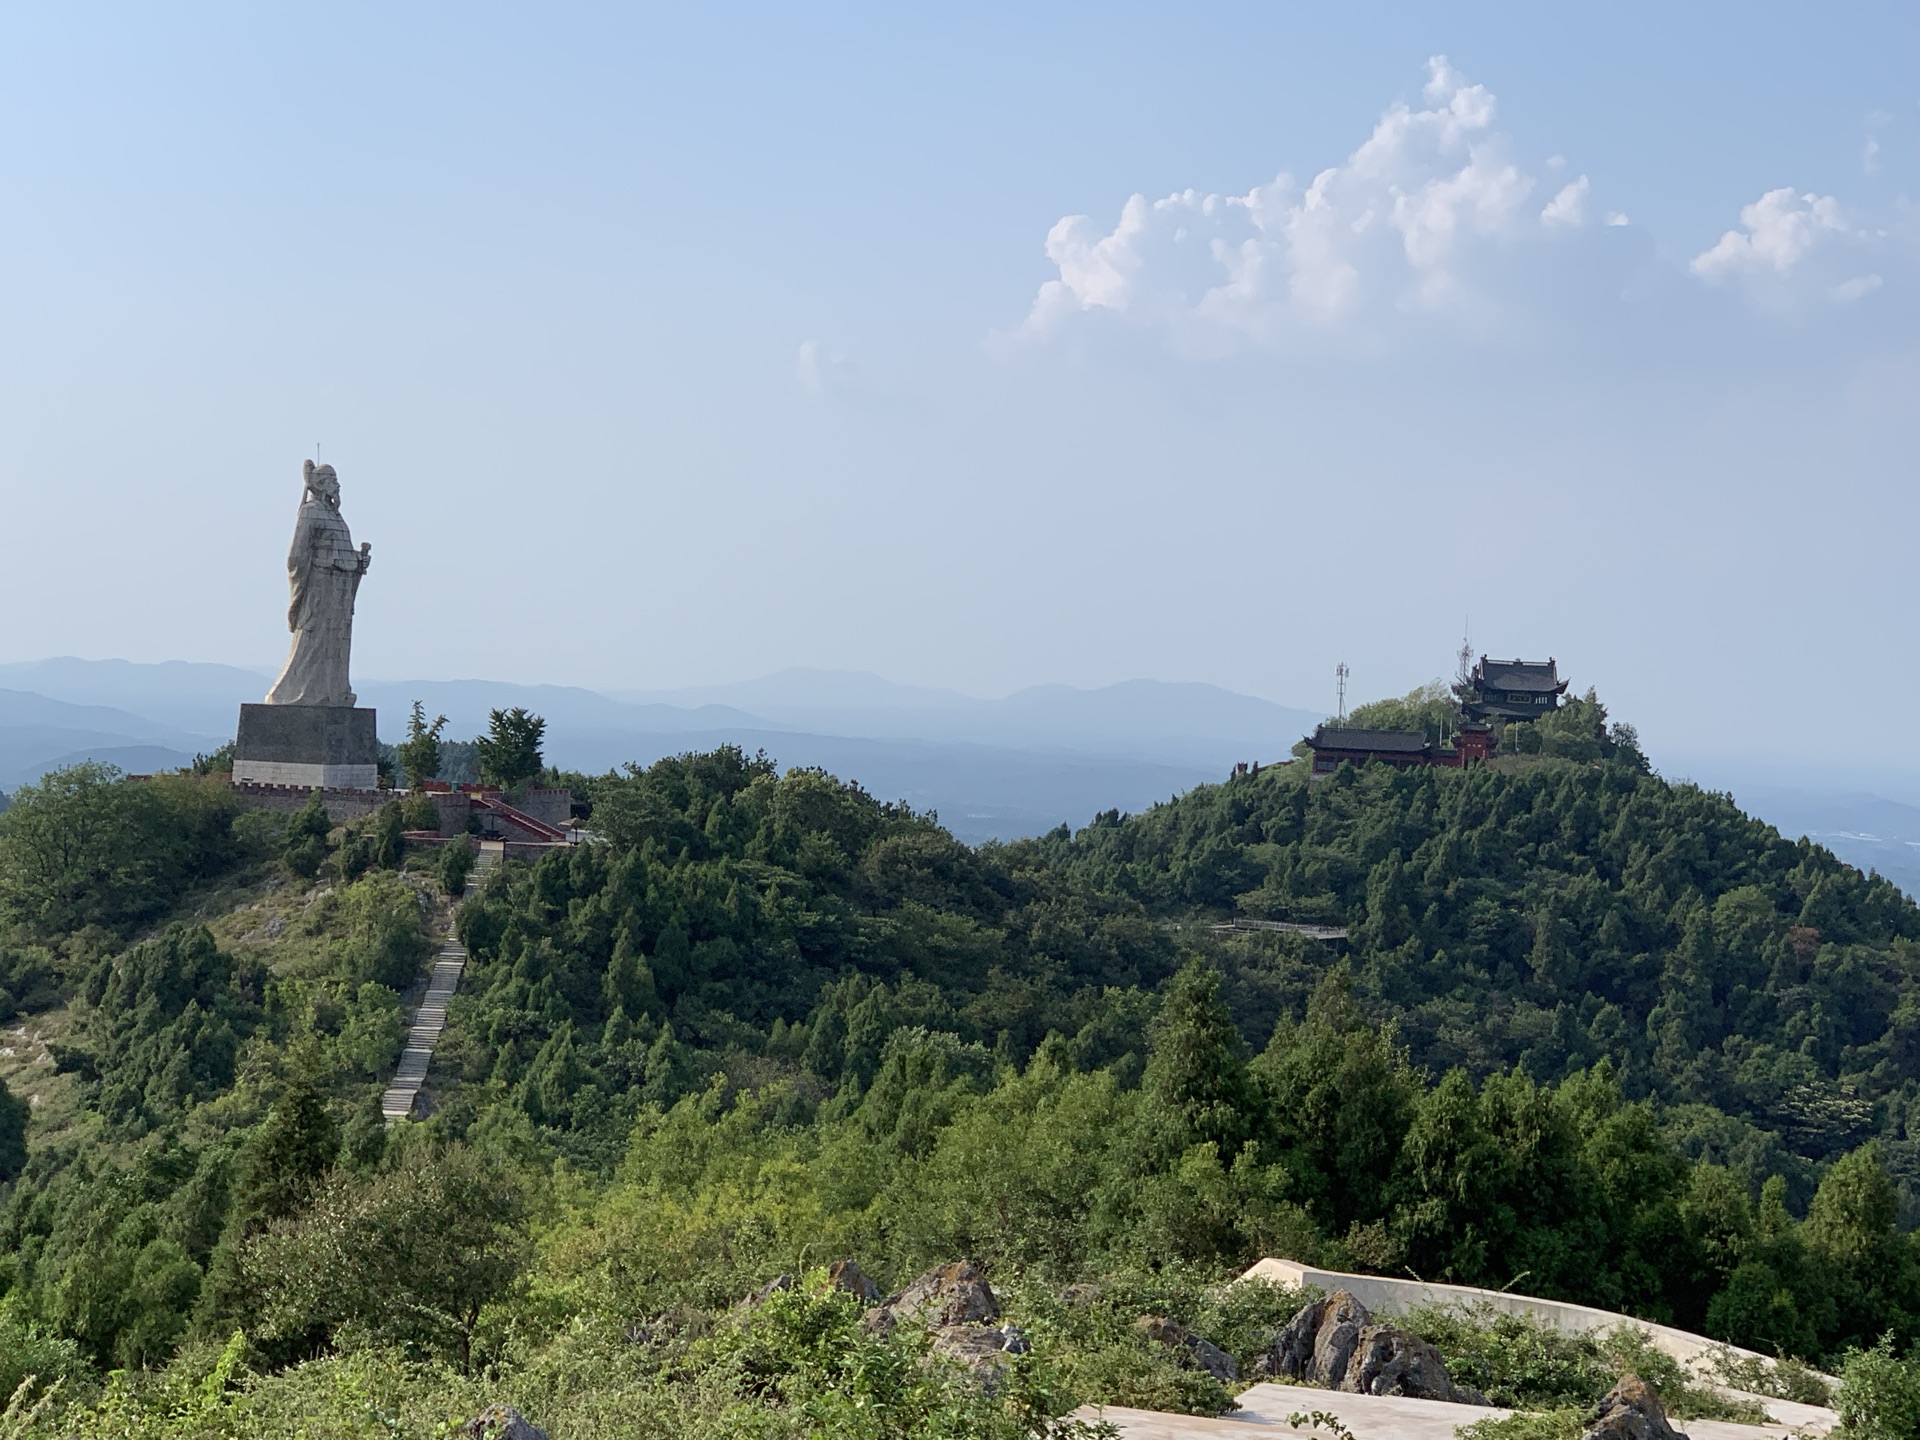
(1265, 1408)
(431, 1017)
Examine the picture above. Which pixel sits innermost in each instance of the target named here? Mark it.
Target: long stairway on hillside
(431, 1018)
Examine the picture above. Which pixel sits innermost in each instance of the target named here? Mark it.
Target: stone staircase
(431, 1017)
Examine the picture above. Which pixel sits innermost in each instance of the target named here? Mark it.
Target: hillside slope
(1589, 1026)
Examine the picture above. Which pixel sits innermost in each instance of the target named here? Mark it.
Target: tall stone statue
(309, 735)
(324, 571)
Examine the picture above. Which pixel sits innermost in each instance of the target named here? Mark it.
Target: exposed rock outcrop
(1387, 1360)
(846, 1275)
(955, 1294)
(1335, 1341)
(1192, 1349)
(503, 1422)
(1315, 1344)
(985, 1351)
(1630, 1411)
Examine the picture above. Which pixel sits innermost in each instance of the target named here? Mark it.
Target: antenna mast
(1340, 673)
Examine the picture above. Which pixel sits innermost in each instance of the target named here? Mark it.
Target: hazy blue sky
(669, 345)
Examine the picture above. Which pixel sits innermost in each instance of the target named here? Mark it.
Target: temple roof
(1535, 675)
(1381, 742)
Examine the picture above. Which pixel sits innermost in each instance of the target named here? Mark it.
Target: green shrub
(1561, 1424)
(419, 812)
(456, 864)
(1631, 1348)
(1102, 1358)
(1525, 1364)
(1783, 1379)
(1880, 1394)
(386, 940)
(1513, 1360)
(305, 843)
(29, 1352)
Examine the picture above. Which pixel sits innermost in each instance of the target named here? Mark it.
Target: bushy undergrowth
(1560, 1424)
(1782, 1379)
(1525, 1364)
(1879, 1395)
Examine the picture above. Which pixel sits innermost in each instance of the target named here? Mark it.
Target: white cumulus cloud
(1793, 246)
(1777, 231)
(1569, 207)
(1412, 218)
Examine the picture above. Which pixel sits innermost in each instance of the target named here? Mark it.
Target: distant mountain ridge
(38, 733)
(1185, 723)
(993, 769)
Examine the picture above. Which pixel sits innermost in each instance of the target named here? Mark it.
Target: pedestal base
(326, 747)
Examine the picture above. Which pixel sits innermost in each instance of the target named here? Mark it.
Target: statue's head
(322, 483)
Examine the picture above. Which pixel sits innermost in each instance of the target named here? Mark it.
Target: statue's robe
(324, 570)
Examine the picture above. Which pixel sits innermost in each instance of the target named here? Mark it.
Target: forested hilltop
(1591, 1035)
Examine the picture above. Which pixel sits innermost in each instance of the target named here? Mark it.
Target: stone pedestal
(326, 747)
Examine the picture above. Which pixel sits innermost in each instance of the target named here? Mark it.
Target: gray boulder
(1314, 1346)
(1630, 1411)
(954, 1294)
(1193, 1350)
(1335, 1342)
(1387, 1360)
(503, 1422)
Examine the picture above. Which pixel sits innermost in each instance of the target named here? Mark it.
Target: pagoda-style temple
(1504, 690)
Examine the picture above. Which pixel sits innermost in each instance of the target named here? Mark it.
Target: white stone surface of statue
(324, 572)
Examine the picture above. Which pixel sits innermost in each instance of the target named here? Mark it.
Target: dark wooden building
(1504, 690)
(1402, 748)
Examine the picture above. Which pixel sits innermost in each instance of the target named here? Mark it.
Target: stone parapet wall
(454, 808)
(550, 804)
(342, 804)
(529, 850)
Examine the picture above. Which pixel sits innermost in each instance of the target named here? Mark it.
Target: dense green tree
(87, 846)
(408, 1256)
(420, 752)
(1196, 1090)
(14, 1113)
(305, 845)
(385, 934)
(456, 863)
(509, 753)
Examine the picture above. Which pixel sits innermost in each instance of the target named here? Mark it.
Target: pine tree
(1196, 1086)
(420, 751)
(13, 1133)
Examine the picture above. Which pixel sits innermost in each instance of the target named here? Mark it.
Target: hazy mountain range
(991, 768)
(1001, 768)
